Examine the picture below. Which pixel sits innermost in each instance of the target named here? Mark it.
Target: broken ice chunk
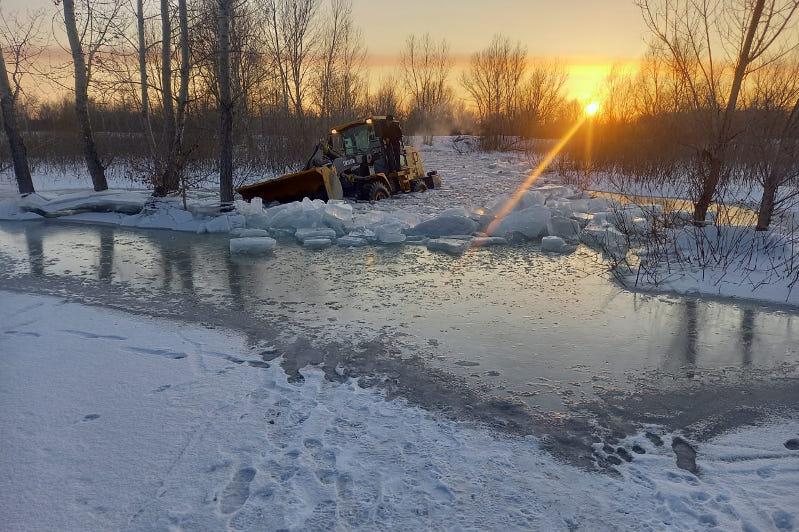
(553, 244)
(252, 245)
(308, 234)
(446, 225)
(317, 243)
(351, 242)
(246, 232)
(564, 227)
(391, 238)
(530, 223)
(448, 245)
(486, 241)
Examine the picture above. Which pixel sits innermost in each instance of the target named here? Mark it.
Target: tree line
(228, 88)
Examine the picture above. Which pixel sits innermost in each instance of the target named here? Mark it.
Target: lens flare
(543, 165)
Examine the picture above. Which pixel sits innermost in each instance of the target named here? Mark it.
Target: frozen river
(511, 336)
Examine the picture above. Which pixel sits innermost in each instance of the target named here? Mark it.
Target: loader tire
(419, 186)
(375, 191)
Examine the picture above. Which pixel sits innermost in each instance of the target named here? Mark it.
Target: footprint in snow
(237, 491)
(93, 336)
(23, 333)
(176, 355)
(686, 455)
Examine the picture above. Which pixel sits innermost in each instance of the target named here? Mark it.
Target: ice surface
(448, 245)
(553, 244)
(252, 245)
(530, 223)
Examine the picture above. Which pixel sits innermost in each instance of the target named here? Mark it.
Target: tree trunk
(717, 153)
(169, 179)
(144, 83)
(93, 163)
(776, 175)
(766, 211)
(174, 162)
(19, 154)
(225, 105)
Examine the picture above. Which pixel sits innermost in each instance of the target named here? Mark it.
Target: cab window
(357, 140)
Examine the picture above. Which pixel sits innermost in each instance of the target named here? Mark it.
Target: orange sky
(587, 36)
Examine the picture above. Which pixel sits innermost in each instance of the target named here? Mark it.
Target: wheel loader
(366, 160)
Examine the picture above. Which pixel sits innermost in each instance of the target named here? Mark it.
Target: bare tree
(425, 66)
(174, 125)
(541, 95)
(773, 131)
(19, 42)
(141, 52)
(82, 76)
(387, 99)
(715, 45)
(166, 183)
(493, 81)
(783, 168)
(225, 14)
(338, 84)
(293, 40)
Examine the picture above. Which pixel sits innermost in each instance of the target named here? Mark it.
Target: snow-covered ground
(115, 421)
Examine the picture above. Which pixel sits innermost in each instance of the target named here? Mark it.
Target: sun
(592, 109)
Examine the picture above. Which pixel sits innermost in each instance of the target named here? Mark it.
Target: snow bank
(723, 261)
(112, 421)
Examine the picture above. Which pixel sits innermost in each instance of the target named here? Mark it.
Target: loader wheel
(375, 191)
(419, 186)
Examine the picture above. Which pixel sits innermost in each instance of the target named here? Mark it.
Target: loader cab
(355, 139)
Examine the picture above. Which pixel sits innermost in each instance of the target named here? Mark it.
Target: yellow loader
(366, 159)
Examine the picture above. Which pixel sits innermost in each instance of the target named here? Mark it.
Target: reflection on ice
(551, 329)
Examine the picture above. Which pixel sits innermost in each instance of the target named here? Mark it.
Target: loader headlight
(333, 132)
(369, 121)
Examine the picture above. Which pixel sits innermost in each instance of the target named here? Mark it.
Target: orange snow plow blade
(319, 182)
